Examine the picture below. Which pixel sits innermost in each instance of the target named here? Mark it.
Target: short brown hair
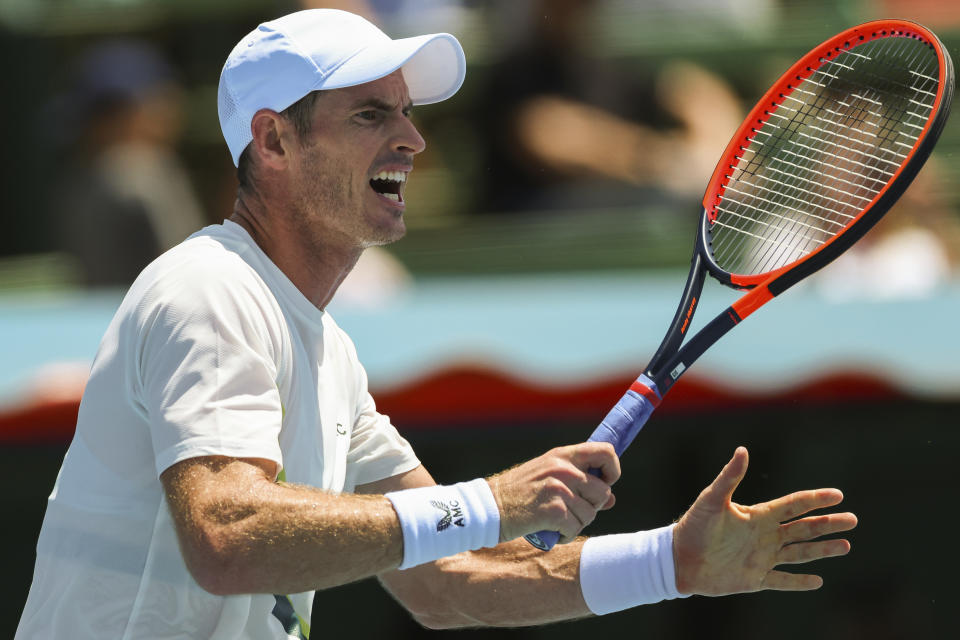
(300, 114)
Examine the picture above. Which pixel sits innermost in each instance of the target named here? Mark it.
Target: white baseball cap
(283, 60)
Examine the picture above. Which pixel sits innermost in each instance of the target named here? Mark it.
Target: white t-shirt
(212, 352)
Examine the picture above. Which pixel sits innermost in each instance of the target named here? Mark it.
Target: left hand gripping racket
(825, 153)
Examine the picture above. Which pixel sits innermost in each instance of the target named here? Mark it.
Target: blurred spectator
(362, 8)
(913, 251)
(401, 17)
(935, 14)
(124, 197)
(376, 281)
(563, 130)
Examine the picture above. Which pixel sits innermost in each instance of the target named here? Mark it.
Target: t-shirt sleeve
(377, 450)
(208, 368)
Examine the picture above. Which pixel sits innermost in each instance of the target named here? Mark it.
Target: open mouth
(389, 184)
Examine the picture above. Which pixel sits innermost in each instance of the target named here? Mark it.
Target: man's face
(349, 173)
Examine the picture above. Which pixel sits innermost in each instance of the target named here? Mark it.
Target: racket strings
(824, 153)
(801, 242)
(792, 236)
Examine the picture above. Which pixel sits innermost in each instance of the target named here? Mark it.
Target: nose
(408, 139)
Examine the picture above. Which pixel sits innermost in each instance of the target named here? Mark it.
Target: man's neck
(317, 270)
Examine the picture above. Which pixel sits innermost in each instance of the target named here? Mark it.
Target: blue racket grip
(619, 428)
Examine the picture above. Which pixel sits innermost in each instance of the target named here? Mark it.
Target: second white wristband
(628, 569)
(441, 521)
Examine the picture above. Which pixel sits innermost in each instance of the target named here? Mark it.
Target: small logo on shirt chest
(342, 430)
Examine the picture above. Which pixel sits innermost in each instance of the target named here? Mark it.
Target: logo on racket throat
(686, 321)
(452, 514)
(677, 371)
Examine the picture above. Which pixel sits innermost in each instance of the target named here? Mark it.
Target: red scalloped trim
(472, 397)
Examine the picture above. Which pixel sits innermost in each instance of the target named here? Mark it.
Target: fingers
(810, 551)
(720, 491)
(609, 503)
(582, 502)
(579, 515)
(566, 511)
(783, 581)
(556, 491)
(596, 455)
(801, 502)
(593, 490)
(721, 547)
(816, 526)
(588, 493)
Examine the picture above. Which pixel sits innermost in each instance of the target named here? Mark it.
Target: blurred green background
(472, 207)
(580, 142)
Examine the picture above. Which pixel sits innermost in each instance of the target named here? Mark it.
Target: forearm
(240, 532)
(315, 540)
(511, 585)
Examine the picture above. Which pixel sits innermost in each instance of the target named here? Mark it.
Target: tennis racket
(825, 153)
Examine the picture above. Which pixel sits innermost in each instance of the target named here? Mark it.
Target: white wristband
(441, 521)
(628, 569)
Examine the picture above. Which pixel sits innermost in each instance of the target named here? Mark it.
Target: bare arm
(240, 532)
(503, 586)
(720, 548)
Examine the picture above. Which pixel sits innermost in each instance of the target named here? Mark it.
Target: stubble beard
(331, 207)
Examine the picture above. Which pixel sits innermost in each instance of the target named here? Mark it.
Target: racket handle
(619, 428)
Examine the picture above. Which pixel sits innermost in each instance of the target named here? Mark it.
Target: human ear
(269, 141)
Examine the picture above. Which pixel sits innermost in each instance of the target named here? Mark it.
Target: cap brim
(433, 66)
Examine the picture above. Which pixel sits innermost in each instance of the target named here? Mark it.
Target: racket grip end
(543, 540)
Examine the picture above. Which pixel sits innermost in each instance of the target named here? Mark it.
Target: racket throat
(683, 317)
(674, 367)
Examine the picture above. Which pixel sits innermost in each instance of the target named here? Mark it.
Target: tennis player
(228, 450)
